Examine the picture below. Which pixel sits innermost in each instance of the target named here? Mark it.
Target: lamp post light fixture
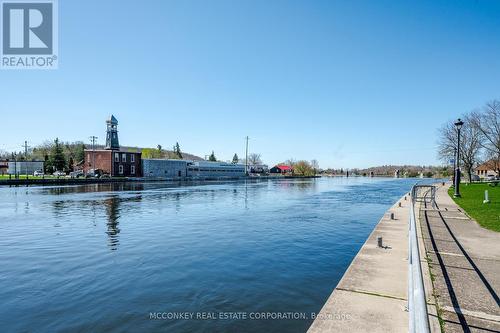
(458, 125)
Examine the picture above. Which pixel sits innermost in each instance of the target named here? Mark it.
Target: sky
(349, 83)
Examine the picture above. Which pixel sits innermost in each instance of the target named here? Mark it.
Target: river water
(255, 256)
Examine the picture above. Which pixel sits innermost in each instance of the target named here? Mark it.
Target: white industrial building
(183, 169)
(206, 169)
(24, 167)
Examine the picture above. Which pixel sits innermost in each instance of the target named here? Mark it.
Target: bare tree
(254, 159)
(470, 148)
(447, 142)
(290, 162)
(315, 165)
(470, 143)
(487, 123)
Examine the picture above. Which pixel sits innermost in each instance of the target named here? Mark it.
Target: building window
(132, 169)
(120, 169)
(117, 157)
(88, 157)
(132, 158)
(124, 157)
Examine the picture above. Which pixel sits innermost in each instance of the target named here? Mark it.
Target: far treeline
(303, 167)
(67, 156)
(57, 155)
(410, 171)
(479, 139)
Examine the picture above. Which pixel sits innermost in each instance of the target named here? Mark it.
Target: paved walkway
(465, 260)
(372, 295)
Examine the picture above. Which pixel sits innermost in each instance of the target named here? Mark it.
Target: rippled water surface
(101, 258)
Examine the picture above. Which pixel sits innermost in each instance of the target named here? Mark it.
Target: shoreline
(89, 181)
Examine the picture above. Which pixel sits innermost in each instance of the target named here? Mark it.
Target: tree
(80, 153)
(47, 165)
(470, 143)
(151, 153)
(315, 165)
(290, 162)
(71, 164)
(57, 159)
(159, 147)
(212, 157)
(177, 150)
(254, 159)
(39, 152)
(235, 158)
(303, 168)
(487, 123)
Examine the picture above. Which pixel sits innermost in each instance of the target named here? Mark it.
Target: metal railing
(417, 305)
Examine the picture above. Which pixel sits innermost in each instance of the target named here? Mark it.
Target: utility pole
(25, 146)
(26, 150)
(93, 139)
(246, 157)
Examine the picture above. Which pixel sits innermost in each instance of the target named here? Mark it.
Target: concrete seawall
(372, 294)
(83, 181)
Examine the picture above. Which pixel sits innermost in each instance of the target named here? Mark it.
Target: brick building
(112, 160)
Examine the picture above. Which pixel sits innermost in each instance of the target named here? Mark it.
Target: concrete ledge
(372, 295)
(347, 311)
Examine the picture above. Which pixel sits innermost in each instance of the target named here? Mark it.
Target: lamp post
(454, 164)
(458, 125)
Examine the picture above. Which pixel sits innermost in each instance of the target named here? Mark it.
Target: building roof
(489, 165)
(121, 150)
(214, 163)
(284, 167)
(112, 120)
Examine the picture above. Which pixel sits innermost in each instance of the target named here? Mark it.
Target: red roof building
(282, 169)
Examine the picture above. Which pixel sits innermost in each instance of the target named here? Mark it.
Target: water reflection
(303, 185)
(106, 204)
(113, 213)
(177, 198)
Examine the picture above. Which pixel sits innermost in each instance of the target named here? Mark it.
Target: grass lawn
(487, 215)
(6, 177)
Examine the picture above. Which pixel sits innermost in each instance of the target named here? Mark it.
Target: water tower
(112, 133)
